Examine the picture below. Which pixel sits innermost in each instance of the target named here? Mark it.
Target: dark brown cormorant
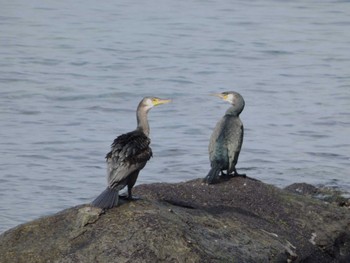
(226, 140)
(129, 154)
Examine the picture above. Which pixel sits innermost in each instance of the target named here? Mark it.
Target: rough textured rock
(326, 194)
(240, 220)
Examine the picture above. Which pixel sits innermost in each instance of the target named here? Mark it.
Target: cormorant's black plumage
(226, 139)
(129, 154)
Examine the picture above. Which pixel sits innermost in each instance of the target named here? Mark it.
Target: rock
(303, 189)
(326, 194)
(240, 220)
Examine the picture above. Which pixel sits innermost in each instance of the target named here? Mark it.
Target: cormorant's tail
(212, 175)
(107, 199)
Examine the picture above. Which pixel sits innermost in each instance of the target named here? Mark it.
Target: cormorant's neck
(234, 111)
(142, 121)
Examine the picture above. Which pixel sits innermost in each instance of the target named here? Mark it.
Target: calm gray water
(72, 74)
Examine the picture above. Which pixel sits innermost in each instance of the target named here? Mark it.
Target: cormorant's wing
(234, 134)
(129, 152)
(214, 148)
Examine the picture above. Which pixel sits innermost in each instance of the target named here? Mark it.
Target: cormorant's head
(149, 102)
(233, 98)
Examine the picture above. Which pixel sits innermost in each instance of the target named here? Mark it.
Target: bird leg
(238, 175)
(129, 196)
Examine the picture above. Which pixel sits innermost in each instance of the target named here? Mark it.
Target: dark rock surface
(240, 220)
(326, 194)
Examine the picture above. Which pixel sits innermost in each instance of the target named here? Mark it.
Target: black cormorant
(226, 139)
(129, 154)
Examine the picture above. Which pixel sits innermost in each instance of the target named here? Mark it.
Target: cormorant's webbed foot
(134, 198)
(234, 174)
(239, 175)
(127, 197)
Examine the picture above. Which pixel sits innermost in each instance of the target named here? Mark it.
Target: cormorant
(129, 154)
(226, 139)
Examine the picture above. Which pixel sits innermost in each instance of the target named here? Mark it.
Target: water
(72, 73)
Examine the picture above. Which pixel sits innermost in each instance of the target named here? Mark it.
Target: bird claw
(234, 174)
(226, 175)
(134, 198)
(129, 198)
(239, 175)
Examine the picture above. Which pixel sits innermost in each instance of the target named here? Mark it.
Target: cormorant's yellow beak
(157, 101)
(219, 95)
